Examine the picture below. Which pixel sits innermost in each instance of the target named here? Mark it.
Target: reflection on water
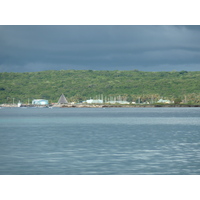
(100, 141)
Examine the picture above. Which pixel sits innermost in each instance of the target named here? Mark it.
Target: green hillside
(79, 85)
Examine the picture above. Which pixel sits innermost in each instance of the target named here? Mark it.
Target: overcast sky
(146, 48)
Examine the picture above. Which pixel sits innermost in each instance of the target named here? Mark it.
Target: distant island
(138, 88)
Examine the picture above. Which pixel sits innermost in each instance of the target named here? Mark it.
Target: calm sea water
(97, 141)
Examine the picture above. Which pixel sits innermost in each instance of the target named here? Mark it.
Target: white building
(118, 102)
(40, 102)
(163, 101)
(94, 101)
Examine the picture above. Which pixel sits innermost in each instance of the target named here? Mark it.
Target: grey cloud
(36, 48)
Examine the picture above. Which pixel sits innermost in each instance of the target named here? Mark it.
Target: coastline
(103, 105)
(126, 106)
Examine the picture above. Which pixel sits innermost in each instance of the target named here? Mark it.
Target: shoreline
(127, 106)
(103, 105)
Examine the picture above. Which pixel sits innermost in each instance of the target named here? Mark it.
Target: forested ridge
(79, 85)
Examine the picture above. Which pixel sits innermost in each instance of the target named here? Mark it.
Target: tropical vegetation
(79, 85)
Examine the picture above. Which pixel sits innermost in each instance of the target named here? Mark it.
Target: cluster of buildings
(44, 102)
(99, 101)
(63, 100)
(41, 102)
(164, 101)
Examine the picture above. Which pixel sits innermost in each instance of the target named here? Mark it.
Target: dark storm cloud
(151, 48)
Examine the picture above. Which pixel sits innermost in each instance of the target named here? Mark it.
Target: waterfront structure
(62, 100)
(19, 104)
(118, 102)
(42, 102)
(163, 101)
(94, 101)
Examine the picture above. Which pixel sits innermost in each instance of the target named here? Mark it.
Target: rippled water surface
(99, 141)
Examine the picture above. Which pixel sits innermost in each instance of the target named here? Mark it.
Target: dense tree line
(79, 85)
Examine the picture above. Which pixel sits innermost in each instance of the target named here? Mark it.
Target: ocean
(100, 141)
